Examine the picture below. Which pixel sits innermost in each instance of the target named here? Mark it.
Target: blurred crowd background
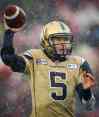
(83, 18)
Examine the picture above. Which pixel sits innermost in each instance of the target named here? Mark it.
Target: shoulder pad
(28, 54)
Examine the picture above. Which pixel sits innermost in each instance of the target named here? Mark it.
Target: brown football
(14, 17)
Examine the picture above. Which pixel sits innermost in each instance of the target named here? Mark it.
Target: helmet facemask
(61, 46)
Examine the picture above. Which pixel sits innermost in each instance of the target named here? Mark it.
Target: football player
(55, 75)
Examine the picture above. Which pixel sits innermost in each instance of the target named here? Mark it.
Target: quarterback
(54, 74)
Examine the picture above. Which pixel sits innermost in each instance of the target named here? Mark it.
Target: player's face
(61, 45)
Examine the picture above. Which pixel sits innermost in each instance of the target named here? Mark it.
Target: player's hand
(88, 80)
(14, 18)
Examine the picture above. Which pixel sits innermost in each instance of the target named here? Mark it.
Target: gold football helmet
(52, 31)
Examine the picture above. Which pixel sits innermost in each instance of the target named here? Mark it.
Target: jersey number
(54, 84)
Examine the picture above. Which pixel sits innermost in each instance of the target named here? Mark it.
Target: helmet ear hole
(50, 41)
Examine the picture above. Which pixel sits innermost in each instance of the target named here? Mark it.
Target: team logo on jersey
(41, 61)
(72, 66)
